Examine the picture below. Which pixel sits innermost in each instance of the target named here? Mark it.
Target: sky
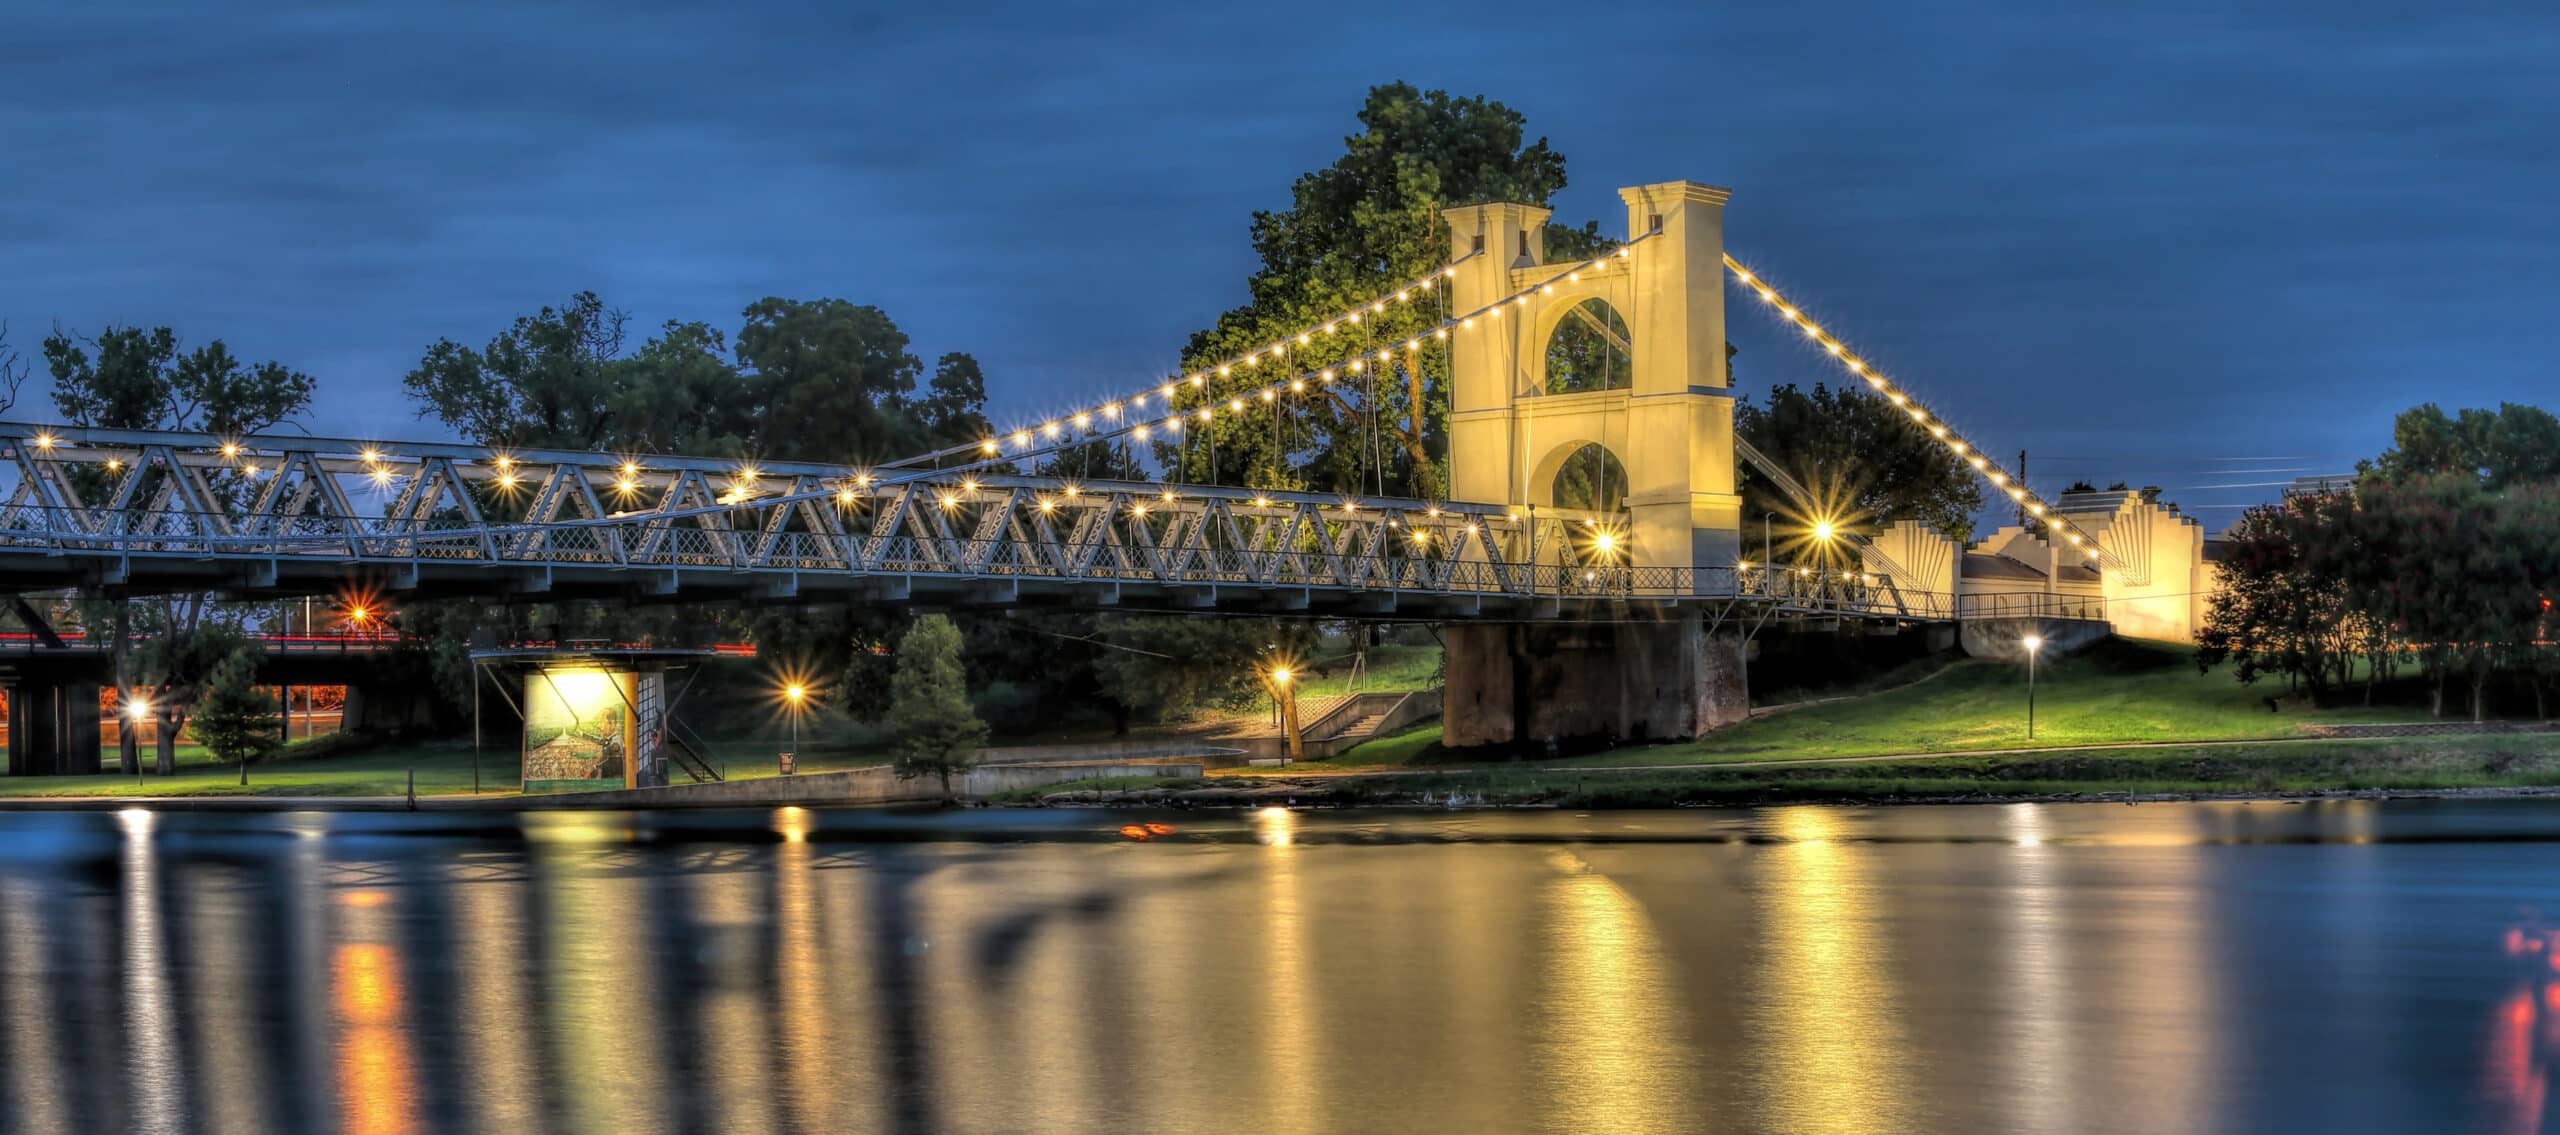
(2208, 246)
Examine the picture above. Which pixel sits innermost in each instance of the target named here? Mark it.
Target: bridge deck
(297, 516)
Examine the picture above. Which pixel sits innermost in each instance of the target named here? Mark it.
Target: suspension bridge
(136, 512)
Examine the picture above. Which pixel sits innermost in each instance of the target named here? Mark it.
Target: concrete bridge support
(1532, 686)
(53, 728)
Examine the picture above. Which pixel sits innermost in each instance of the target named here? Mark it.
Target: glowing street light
(2033, 643)
(1285, 694)
(794, 697)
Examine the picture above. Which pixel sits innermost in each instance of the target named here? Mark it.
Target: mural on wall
(593, 728)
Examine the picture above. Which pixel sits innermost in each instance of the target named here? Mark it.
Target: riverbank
(2509, 764)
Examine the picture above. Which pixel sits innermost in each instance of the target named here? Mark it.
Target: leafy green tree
(2440, 592)
(237, 719)
(2276, 610)
(933, 730)
(1160, 667)
(1365, 224)
(133, 378)
(545, 381)
(1859, 453)
(2514, 444)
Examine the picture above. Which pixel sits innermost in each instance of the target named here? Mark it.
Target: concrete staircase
(1331, 725)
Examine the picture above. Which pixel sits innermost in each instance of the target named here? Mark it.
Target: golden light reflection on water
(1290, 1033)
(1834, 1054)
(804, 1035)
(1611, 1034)
(377, 1088)
(2036, 1048)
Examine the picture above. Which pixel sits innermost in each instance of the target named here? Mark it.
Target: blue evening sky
(2193, 244)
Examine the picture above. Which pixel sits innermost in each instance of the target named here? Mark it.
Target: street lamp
(2033, 643)
(795, 695)
(135, 711)
(1287, 696)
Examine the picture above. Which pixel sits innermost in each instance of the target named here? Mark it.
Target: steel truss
(137, 511)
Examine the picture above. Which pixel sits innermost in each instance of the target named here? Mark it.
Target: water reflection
(1835, 1058)
(1994, 969)
(1613, 1047)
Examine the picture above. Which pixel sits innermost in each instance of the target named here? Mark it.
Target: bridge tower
(1525, 409)
(1667, 422)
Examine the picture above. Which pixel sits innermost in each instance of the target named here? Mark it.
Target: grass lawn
(2118, 690)
(443, 768)
(1391, 666)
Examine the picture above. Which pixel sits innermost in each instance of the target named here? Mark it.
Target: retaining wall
(859, 786)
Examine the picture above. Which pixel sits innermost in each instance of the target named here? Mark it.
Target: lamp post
(2033, 643)
(793, 696)
(1765, 557)
(1288, 698)
(135, 710)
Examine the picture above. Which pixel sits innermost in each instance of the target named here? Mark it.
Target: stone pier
(1523, 686)
(53, 728)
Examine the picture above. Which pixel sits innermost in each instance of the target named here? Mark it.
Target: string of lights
(1113, 419)
(1946, 435)
(1050, 438)
(1357, 316)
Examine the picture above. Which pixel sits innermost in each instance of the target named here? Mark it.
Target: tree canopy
(133, 378)
(2513, 444)
(1367, 223)
(934, 731)
(1858, 453)
(2447, 552)
(813, 380)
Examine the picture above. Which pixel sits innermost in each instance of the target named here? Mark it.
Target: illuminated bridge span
(319, 515)
(1630, 619)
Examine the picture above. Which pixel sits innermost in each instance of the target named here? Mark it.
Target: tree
(1160, 667)
(2514, 444)
(13, 370)
(545, 381)
(2276, 611)
(1368, 223)
(132, 378)
(237, 718)
(138, 380)
(933, 729)
(1860, 453)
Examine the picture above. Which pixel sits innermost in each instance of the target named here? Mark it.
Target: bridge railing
(2032, 605)
(1202, 541)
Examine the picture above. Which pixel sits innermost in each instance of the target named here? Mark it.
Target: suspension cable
(1946, 435)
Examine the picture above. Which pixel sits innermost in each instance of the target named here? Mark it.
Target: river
(2265, 967)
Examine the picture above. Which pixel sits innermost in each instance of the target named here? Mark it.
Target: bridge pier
(53, 728)
(1532, 686)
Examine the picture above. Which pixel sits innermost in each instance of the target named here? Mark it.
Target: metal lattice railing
(120, 506)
